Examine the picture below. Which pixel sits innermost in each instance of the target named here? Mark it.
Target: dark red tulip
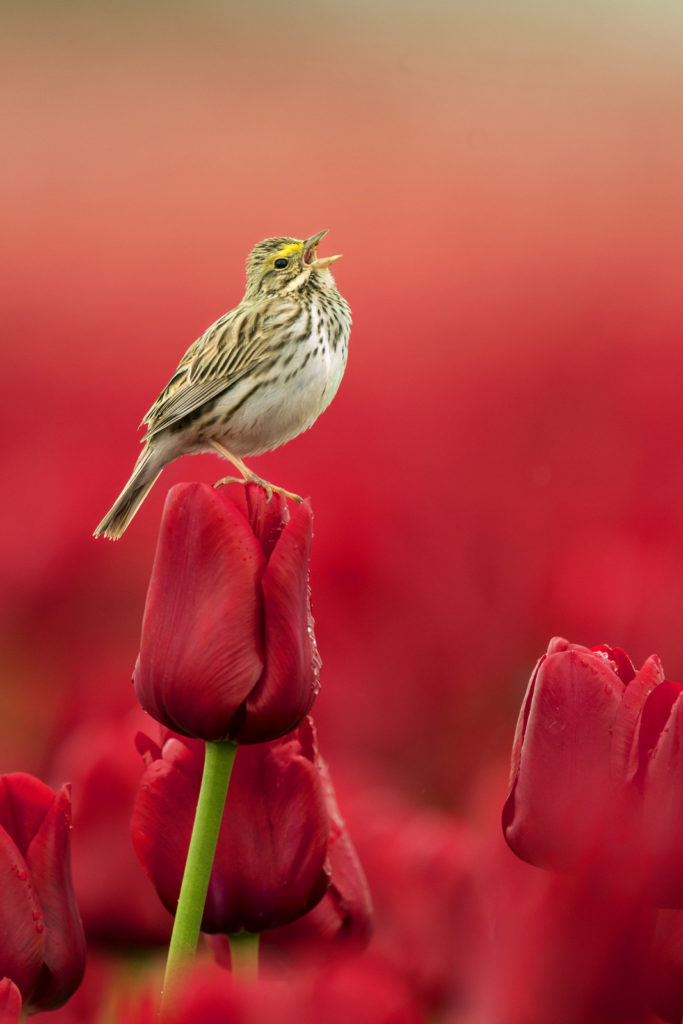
(271, 860)
(344, 916)
(596, 768)
(42, 947)
(227, 648)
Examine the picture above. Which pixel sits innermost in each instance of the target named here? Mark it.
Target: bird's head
(280, 265)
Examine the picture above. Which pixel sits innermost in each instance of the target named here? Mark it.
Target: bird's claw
(229, 480)
(270, 489)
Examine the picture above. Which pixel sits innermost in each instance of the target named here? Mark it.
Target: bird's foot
(269, 488)
(229, 480)
(280, 490)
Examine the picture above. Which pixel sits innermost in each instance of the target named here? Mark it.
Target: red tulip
(596, 769)
(271, 860)
(227, 648)
(42, 947)
(344, 916)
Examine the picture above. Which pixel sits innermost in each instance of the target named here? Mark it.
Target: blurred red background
(503, 460)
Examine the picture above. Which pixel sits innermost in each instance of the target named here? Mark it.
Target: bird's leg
(249, 476)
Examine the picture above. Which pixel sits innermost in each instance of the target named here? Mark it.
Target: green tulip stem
(218, 761)
(244, 955)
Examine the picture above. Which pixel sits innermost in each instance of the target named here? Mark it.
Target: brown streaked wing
(229, 350)
(179, 378)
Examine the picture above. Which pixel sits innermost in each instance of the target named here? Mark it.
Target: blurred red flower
(571, 948)
(227, 648)
(116, 901)
(42, 947)
(359, 990)
(271, 864)
(596, 767)
(420, 865)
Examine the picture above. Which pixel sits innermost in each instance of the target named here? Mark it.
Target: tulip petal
(269, 866)
(270, 862)
(518, 740)
(48, 859)
(561, 794)
(266, 517)
(290, 680)
(10, 1002)
(24, 802)
(163, 813)
(662, 794)
(625, 734)
(347, 906)
(22, 936)
(201, 649)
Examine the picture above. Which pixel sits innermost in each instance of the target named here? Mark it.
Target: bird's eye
(281, 263)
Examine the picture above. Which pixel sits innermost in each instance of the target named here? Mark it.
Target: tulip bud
(270, 865)
(42, 947)
(227, 648)
(561, 793)
(596, 764)
(344, 916)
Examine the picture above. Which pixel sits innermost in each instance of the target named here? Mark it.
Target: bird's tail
(146, 471)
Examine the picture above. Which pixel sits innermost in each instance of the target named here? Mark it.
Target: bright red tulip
(227, 648)
(42, 947)
(596, 769)
(271, 860)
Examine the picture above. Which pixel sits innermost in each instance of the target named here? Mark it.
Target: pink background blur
(503, 461)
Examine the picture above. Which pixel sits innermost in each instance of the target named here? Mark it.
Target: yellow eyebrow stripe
(287, 250)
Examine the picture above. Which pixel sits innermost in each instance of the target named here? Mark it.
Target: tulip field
(408, 750)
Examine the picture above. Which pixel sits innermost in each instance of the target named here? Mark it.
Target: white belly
(278, 411)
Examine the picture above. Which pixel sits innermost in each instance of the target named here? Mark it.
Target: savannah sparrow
(256, 378)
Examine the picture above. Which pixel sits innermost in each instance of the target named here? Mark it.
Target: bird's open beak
(311, 258)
